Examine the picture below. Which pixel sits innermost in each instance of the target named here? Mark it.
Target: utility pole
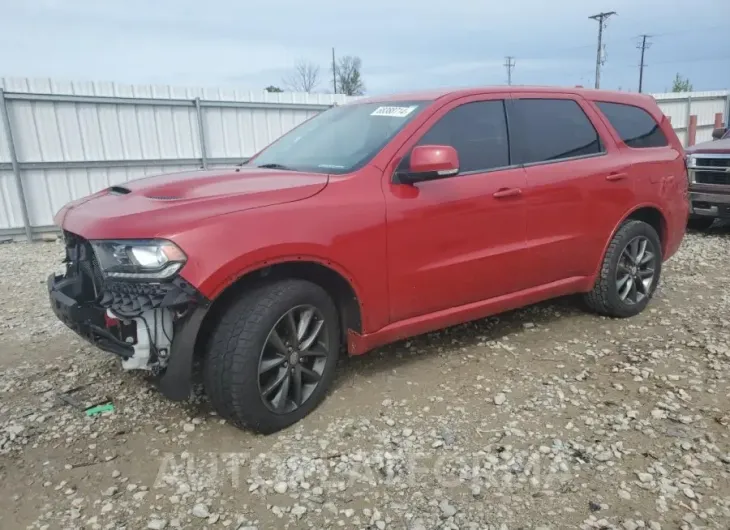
(601, 19)
(509, 63)
(334, 72)
(643, 47)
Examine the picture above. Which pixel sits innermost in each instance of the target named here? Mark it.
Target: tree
(272, 88)
(304, 78)
(681, 84)
(347, 76)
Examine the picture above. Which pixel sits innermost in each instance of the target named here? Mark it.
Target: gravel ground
(548, 417)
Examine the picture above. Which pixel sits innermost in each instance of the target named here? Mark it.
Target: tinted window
(341, 139)
(635, 126)
(551, 129)
(478, 132)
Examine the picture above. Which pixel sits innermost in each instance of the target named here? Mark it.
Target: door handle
(507, 192)
(616, 176)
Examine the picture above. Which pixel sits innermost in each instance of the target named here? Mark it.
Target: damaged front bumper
(149, 325)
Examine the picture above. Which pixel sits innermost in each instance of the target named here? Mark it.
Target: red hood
(714, 146)
(162, 205)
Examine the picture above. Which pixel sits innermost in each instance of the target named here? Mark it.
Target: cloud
(456, 68)
(404, 45)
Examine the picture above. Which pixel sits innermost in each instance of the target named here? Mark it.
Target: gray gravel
(544, 418)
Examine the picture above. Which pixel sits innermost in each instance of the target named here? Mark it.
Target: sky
(404, 45)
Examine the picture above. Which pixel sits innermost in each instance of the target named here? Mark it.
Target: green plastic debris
(99, 409)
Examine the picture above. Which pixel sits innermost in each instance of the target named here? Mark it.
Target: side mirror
(719, 133)
(430, 162)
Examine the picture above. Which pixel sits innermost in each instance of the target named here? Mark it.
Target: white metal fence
(705, 106)
(62, 141)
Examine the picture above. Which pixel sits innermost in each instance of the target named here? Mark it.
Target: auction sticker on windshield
(394, 112)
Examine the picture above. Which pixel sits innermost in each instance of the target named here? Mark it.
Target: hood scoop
(222, 183)
(119, 190)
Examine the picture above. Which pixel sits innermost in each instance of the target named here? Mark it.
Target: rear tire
(700, 223)
(626, 284)
(259, 347)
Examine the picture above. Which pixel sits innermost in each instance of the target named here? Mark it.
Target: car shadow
(721, 228)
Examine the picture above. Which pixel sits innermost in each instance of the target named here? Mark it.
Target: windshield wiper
(276, 166)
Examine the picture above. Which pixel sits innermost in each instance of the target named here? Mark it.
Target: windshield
(340, 139)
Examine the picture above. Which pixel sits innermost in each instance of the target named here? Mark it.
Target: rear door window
(634, 125)
(548, 130)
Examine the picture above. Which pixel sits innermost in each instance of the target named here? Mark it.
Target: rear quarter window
(636, 127)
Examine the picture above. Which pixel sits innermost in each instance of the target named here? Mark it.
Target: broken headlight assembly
(150, 260)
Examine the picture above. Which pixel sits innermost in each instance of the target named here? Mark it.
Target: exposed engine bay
(150, 335)
(134, 318)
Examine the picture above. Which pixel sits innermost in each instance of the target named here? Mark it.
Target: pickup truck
(709, 180)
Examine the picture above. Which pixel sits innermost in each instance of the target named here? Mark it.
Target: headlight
(691, 161)
(142, 260)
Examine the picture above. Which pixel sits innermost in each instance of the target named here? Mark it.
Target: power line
(615, 66)
(509, 64)
(672, 61)
(690, 30)
(601, 19)
(554, 54)
(643, 47)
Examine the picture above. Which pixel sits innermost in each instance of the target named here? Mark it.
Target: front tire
(273, 356)
(629, 273)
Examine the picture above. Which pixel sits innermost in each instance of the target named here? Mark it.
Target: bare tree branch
(304, 78)
(347, 74)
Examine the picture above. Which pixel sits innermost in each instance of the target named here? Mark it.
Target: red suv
(372, 222)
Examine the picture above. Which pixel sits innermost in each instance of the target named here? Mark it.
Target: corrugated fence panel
(73, 140)
(232, 132)
(48, 190)
(127, 134)
(705, 111)
(677, 111)
(704, 105)
(4, 145)
(242, 132)
(10, 210)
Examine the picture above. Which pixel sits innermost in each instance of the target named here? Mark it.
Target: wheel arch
(650, 214)
(326, 274)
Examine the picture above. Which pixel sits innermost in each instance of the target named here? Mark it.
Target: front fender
(241, 266)
(352, 244)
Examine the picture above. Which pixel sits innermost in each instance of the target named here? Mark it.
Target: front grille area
(81, 261)
(714, 170)
(712, 177)
(127, 298)
(713, 162)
